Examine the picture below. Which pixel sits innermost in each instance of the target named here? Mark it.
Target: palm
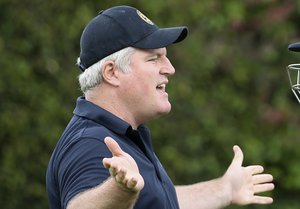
(246, 182)
(123, 167)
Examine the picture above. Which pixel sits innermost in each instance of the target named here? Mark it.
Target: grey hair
(92, 76)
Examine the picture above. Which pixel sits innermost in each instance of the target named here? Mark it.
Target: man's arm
(105, 196)
(239, 185)
(120, 190)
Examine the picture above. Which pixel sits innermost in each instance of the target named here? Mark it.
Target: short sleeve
(81, 168)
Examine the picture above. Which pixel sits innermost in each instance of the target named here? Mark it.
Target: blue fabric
(76, 163)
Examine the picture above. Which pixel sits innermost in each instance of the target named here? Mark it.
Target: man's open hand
(122, 167)
(246, 182)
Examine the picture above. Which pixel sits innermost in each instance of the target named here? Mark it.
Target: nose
(167, 68)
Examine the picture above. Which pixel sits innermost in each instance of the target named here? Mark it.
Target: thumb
(113, 146)
(238, 156)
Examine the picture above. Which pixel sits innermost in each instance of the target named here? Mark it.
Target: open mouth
(161, 87)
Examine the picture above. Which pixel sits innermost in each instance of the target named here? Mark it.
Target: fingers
(120, 176)
(122, 167)
(115, 149)
(262, 183)
(262, 178)
(122, 179)
(248, 181)
(113, 146)
(238, 156)
(131, 184)
(263, 188)
(106, 162)
(262, 200)
(255, 169)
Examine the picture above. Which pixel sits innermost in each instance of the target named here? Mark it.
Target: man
(104, 158)
(294, 72)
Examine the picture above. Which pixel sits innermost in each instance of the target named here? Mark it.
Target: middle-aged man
(294, 72)
(104, 158)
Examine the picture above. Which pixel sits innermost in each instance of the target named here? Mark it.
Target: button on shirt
(76, 163)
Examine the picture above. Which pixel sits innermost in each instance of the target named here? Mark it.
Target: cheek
(138, 87)
(145, 85)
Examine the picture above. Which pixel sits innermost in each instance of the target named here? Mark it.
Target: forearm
(105, 196)
(212, 194)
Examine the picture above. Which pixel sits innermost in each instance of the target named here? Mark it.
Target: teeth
(162, 86)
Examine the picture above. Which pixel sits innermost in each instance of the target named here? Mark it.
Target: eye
(153, 59)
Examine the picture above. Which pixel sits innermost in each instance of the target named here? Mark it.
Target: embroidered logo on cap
(146, 19)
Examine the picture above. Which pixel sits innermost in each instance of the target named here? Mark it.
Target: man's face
(144, 87)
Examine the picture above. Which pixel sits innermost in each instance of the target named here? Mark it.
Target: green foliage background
(230, 87)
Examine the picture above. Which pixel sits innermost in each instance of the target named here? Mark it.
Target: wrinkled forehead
(159, 51)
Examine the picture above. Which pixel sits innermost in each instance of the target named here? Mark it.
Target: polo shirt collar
(101, 116)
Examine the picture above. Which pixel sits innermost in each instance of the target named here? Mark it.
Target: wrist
(123, 188)
(227, 190)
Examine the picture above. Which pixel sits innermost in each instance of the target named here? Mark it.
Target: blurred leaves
(230, 88)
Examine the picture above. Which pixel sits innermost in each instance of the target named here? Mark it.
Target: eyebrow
(158, 52)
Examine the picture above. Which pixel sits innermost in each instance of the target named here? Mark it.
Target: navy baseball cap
(123, 26)
(294, 47)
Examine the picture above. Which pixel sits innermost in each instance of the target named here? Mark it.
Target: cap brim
(294, 47)
(162, 37)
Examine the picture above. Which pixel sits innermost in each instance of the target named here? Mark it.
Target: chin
(166, 109)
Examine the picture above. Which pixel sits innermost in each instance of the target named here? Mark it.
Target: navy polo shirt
(76, 163)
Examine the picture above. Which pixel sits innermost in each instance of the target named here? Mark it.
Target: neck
(109, 101)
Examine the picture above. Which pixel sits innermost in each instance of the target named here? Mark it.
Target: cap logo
(146, 19)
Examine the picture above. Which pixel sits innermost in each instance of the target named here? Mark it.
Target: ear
(110, 74)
